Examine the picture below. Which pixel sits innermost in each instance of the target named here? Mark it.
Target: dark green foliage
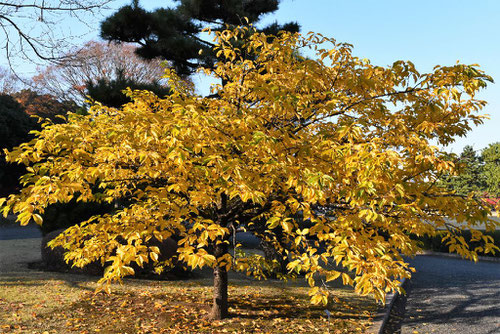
(15, 126)
(479, 173)
(16, 123)
(491, 159)
(437, 245)
(470, 176)
(110, 92)
(9, 176)
(63, 215)
(174, 33)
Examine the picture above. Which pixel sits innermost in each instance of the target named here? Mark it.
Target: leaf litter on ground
(44, 302)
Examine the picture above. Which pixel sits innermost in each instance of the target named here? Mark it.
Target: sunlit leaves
(329, 161)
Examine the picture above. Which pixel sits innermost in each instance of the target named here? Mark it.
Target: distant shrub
(63, 215)
(437, 245)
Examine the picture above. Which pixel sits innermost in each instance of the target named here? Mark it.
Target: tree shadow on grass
(145, 306)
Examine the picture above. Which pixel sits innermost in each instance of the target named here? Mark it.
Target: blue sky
(425, 32)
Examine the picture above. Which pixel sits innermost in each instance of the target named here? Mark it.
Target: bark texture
(220, 303)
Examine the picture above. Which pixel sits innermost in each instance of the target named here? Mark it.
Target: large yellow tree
(329, 159)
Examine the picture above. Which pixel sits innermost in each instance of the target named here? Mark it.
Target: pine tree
(491, 159)
(110, 92)
(470, 175)
(175, 34)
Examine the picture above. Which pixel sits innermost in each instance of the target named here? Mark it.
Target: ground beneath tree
(33, 301)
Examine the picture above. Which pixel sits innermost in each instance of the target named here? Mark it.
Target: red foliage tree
(43, 105)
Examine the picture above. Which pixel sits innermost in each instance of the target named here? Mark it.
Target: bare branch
(93, 62)
(31, 30)
(71, 5)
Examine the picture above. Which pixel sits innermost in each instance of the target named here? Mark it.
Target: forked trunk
(220, 306)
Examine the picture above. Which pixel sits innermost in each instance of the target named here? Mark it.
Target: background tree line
(478, 172)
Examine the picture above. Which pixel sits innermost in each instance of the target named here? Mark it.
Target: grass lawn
(44, 302)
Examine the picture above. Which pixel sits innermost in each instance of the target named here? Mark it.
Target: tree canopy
(43, 105)
(101, 70)
(491, 159)
(111, 92)
(16, 124)
(9, 82)
(470, 174)
(476, 172)
(332, 152)
(174, 34)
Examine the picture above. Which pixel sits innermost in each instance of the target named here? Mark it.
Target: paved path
(15, 231)
(448, 295)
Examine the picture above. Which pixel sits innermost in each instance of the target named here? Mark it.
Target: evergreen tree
(174, 34)
(15, 126)
(110, 92)
(470, 176)
(491, 158)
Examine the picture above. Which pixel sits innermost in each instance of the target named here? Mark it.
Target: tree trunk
(220, 305)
